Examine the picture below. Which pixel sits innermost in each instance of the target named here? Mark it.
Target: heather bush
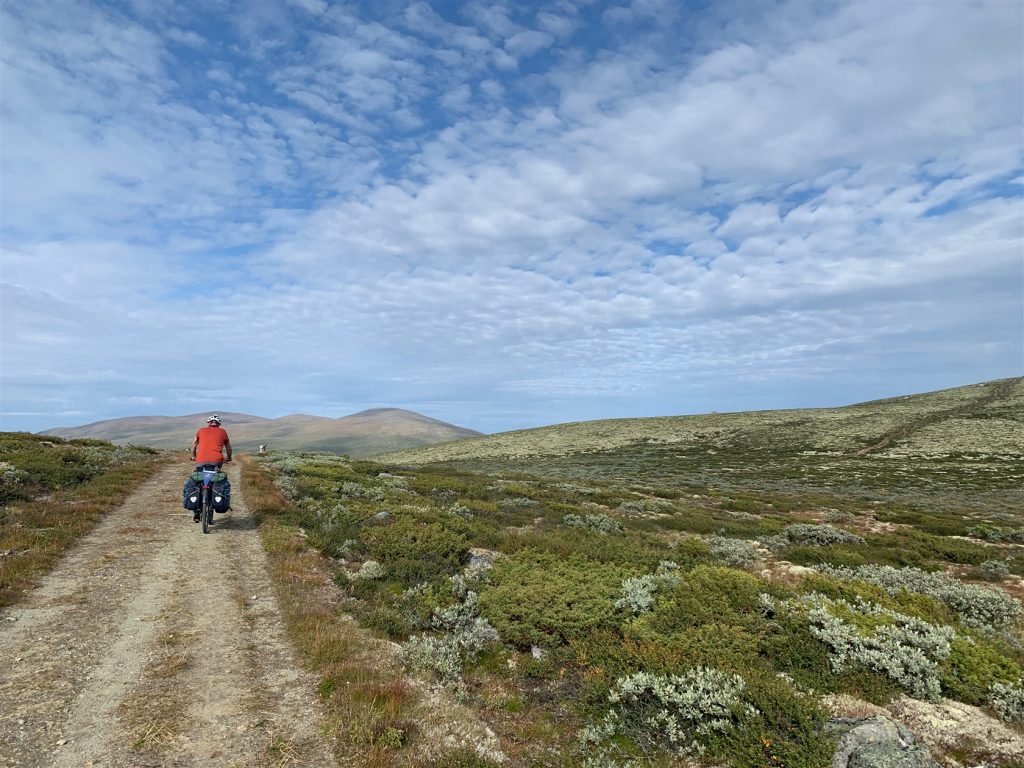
(679, 714)
(986, 608)
(811, 535)
(905, 649)
(646, 506)
(788, 730)
(463, 634)
(596, 522)
(369, 571)
(1008, 700)
(736, 553)
(996, 534)
(994, 570)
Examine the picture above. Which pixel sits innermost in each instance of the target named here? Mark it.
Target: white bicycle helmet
(213, 418)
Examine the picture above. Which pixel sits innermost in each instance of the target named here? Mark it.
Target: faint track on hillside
(151, 644)
(997, 392)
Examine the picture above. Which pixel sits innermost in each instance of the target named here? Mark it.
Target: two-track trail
(151, 644)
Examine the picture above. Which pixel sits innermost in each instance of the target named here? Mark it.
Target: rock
(952, 725)
(381, 517)
(482, 558)
(385, 474)
(877, 742)
(538, 653)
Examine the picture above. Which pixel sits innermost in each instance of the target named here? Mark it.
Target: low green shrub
(972, 668)
(414, 551)
(707, 595)
(788, 729)
(537, 598)
(726, 646)
(634, 551)
(34, 464)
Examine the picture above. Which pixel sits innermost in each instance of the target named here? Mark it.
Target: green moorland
(679, 591)
(51, 492)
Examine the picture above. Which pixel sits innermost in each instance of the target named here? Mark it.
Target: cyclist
(210, 450)
(212, 445)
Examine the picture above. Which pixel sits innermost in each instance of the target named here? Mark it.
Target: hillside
(360, 434)
(833, 587)
(974, 434)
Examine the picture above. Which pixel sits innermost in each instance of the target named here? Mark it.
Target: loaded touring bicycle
(206, 491)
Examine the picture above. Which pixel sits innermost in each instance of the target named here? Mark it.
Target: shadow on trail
(233, 522)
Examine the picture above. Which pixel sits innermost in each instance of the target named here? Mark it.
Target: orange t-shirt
(211, 441)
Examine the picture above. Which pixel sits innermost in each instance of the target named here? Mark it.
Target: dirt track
(153, 645)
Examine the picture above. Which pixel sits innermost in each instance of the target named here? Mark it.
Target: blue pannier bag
(221, 492)
(191, 494)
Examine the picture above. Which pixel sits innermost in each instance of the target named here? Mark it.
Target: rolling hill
(360, 434)
(973, 433)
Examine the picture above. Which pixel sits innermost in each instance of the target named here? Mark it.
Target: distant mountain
(361, 434)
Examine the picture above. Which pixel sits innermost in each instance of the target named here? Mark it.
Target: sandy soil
(151, 644)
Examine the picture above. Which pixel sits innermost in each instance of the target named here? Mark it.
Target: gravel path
(151, 644)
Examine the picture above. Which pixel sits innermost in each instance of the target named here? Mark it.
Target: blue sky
(505, 214)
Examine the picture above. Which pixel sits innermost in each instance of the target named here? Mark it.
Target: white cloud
(527, 43)
(391, 207)
(185, 37)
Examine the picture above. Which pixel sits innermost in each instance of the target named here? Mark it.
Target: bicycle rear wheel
(207, 514)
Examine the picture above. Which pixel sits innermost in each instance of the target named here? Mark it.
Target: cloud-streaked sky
(506, 214)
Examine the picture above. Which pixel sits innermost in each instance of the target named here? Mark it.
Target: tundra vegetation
(681, 592)
(51, 492)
